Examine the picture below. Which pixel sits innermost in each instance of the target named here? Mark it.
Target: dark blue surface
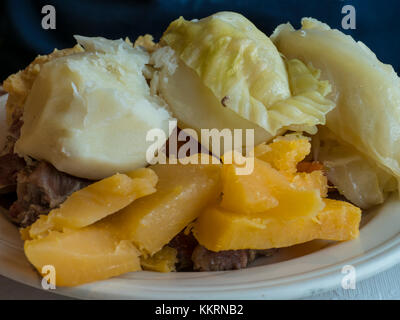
(21, 35)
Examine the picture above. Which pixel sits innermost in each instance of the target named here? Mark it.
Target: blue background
(22, 38)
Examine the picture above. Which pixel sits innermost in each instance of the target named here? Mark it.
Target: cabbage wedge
(355, 176)
(246, 82)
(366, 91)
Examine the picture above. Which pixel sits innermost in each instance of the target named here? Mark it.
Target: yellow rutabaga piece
(97, 201)
(183, 191)
(276, 197)
(284, 153)
(267, 188)
(162, 261)
(82, 256)
(218, 229)
(275, 206)
(274, 178)
(246, 193)
(313, 180)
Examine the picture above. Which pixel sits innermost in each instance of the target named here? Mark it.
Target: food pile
(92, 201)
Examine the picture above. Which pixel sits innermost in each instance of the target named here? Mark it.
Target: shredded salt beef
(40, 188)
(184, 245)
(193, 256)
(206, 260)
(10, 164)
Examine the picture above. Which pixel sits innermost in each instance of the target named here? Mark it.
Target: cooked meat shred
(15, 129)
(206, 260)
(336, 195)
(24, 214)
(193, 256)
(10, 164)
(41, 188)
(309, 166)
(184, 244)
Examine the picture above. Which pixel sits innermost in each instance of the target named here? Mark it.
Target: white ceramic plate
(295, 272)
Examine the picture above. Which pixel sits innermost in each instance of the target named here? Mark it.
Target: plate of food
(217, 163)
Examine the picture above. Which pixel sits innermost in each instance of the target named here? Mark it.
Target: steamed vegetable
(275, 206)
(97, 201)
(228, 74)
(355, 176)
(182, 193)
(285, 153)
(196, 106)
(82, 256)
(366, 92)
(219, 229)
(234, 59)
(162, 261)
(88, 114)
